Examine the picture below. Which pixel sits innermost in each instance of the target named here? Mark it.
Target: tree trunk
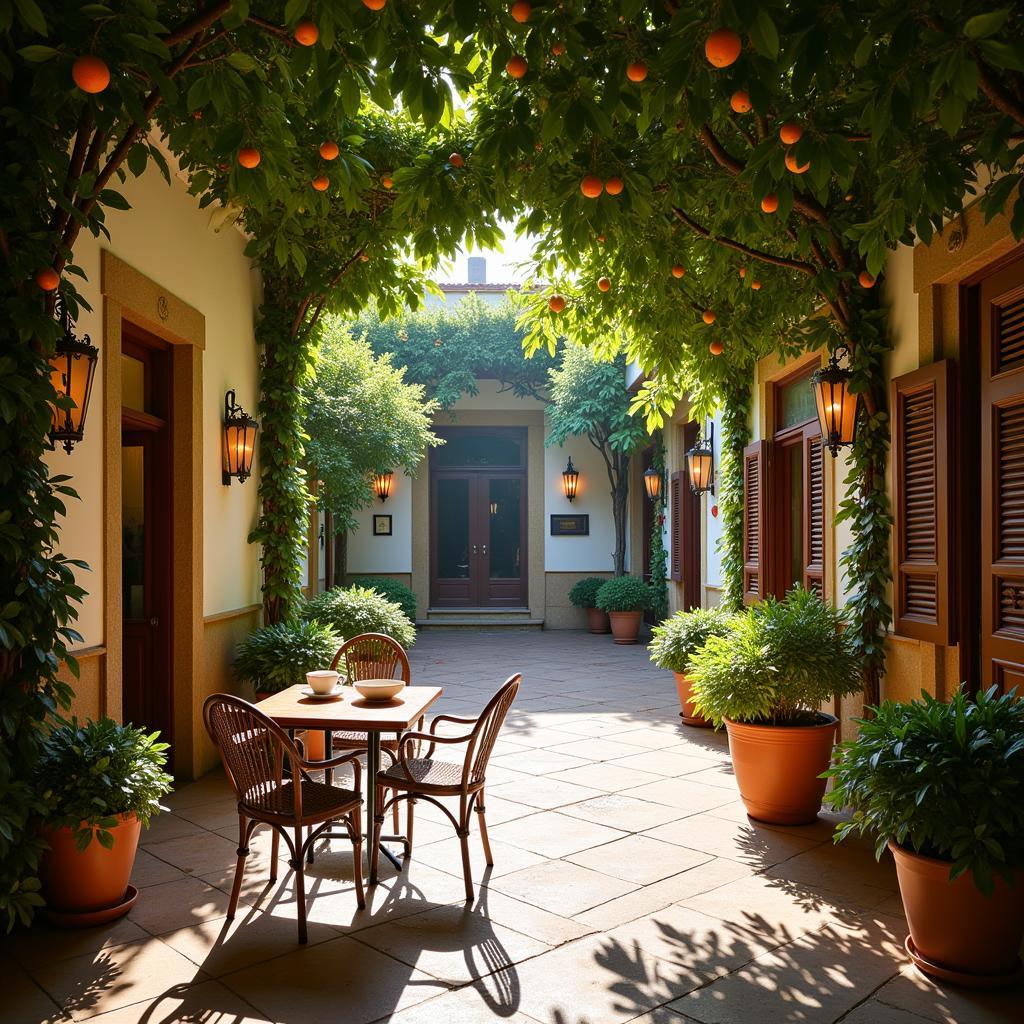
(340, 557)
(620, 509)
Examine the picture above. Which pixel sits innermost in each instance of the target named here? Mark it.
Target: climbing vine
(658, 566)
(735, 419)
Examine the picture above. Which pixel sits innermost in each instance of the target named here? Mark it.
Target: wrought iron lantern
(700, 463)
(239, 440)
(652, 483)
(382, 484)
(570, 480)
(72, 368)
(837, 404)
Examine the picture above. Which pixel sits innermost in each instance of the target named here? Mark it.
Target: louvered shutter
(1002, 477)
(755, 468)
(814, 524)
(922, 416)
(675, 496)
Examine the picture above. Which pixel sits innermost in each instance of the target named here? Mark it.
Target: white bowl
(378, 689)
(322, 680)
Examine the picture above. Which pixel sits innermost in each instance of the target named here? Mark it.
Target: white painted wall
(370, 554)
(712, 530)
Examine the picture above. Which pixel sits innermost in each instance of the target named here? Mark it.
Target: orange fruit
(637, 71)
(709, 316)
(794, 165)
(249, 156)
(363, 258)
(755, 285)
(329, 150)
(722, 47)
(375, 5)
(321, 183)
(613, 186)
(520, 11)
(556, 303)
(306, 33)
(47, 278)
(848, 197)
(743, 272)
(557, 49)
(601, 239)
(591, 186)
(90, 74)
(678, 270)
(790, 132)
(603, 283)
(740, 102)
(456, 160)
(516, 66)
(865, 279)
(716, 348)
(770, 203)
(387, 181)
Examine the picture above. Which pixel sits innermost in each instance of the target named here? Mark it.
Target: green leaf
(764, 34)
(37, 53)
(984, 25)
(31, 14)
(241, 62)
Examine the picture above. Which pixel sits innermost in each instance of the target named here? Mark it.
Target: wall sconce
(837, 405)
(700, 463)
(72, 368)
(382, 484)
(652, 483)
(494, 508)
(239, 441)
(570, 480)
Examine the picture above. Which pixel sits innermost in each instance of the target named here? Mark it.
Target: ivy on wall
(735, 420)
(658, 565)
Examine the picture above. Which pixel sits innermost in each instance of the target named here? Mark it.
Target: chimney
(476, 270)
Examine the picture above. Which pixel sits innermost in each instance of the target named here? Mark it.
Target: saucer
(338, 691)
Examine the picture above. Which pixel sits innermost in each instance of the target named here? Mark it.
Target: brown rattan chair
(262, 764)
(424, 778)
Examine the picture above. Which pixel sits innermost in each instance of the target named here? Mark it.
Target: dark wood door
(1001, 310)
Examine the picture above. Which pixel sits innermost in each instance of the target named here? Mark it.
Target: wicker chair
(262, 763)
(424, 778)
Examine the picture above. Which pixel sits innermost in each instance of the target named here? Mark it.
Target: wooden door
(1001, 308)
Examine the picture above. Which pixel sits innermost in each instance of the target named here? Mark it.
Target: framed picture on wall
(382, 526)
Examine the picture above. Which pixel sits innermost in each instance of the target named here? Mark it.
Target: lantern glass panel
(570, 481)
(700, 463)
(652, 483)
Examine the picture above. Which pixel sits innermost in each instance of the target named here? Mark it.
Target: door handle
(154, 622)
(483, 549)
(474, 549)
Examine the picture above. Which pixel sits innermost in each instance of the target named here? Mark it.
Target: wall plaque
(570, 526)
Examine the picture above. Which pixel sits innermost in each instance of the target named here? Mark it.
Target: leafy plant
(90, 773)
(277, 656)
(584, 591)
(657, 567)
(393, 590)
(679, 638)
(945, 779)
(354, 610)
(624, 594)
(776, 664)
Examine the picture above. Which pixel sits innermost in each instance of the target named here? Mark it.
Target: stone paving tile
(562, 886)
(554, 834)
(639, 859)
(544, 793)
(624, 812)
(915, 993)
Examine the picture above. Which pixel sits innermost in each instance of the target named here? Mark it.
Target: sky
(501, 266)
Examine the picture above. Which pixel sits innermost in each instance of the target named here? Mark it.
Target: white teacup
(322, 680)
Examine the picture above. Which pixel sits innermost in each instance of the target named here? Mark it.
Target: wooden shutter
(1002, 477)
(755, 469)
(814, 522)
(922, 416)
(675, 495)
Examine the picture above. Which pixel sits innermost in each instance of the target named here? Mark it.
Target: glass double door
(478, 527)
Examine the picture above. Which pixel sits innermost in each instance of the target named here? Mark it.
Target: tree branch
(345, 267)
(718, 151)
(197, 24)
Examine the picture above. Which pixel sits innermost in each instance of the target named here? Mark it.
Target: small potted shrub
(675, 642)
(350, 611)
(766, 680)
(393, 590)
(584, 595)
(941, 785)
(103, 782)
(625, 599)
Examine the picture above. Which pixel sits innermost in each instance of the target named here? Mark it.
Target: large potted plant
(675, 642)
(766, 680)
(102, 782)
(941, 785)
(625, 599)
(350, 611)
(584, 595)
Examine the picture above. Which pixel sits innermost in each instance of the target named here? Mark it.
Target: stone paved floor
(628, 885)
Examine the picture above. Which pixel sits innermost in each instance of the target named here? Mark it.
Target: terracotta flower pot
(95, 878)
(956, 929)
(777, 768)
(597, 620)
(689, 713)
(625, 626)
(313, 741)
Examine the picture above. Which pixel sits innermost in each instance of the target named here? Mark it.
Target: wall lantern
(382, 484)
(837, 405)
(239, 440)
(700, 464)
(570, 479)
(72, 368)
(652, 483)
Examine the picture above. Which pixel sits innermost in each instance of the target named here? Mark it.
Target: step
(465, 619)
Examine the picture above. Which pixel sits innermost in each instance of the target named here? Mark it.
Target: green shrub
(275, 657)
(778, 662)
(354, 610)
(624, 594)
(943, 779)
(90, 773)
(393, 590)
(677, 639)
(584, 592)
